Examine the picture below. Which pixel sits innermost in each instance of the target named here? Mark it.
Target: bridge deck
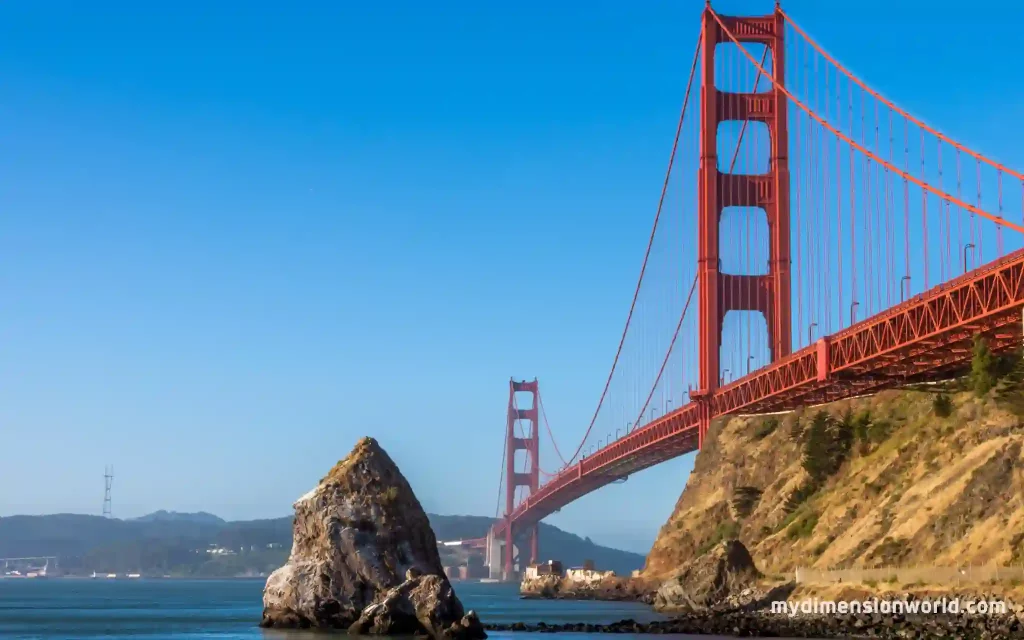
(929, 334)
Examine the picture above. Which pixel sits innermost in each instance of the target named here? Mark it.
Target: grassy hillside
(933, 476)
(165, 543)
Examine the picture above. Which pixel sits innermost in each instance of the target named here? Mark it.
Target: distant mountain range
(200, 517)
(204, 545)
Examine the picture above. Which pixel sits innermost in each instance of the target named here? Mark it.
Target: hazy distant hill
(177, 543)
(555, 544)
(200, 517)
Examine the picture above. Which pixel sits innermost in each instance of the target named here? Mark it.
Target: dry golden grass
(935, 492)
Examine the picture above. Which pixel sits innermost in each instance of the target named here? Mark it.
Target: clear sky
(237, 236)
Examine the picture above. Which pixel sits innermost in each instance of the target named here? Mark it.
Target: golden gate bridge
(812, 241)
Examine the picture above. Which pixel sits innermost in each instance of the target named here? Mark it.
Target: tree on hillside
(827, 446)
(983, 365)
(817, 457)
(942, 406)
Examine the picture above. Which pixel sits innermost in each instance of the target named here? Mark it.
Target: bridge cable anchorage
(671, 346)
(647, 253)
(841, 136)
(889, 103)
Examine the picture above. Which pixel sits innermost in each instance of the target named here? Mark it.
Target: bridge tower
(530, 479)
(717, 189)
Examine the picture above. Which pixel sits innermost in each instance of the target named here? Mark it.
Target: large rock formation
(364, 558)
(713, 580)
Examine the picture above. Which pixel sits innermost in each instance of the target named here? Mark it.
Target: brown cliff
(918, 484)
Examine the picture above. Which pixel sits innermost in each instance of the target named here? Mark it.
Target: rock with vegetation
(711, 580)
(364, 558)
(601, 585)
(925, 476)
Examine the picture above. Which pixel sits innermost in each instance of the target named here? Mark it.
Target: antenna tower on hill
(108, 480)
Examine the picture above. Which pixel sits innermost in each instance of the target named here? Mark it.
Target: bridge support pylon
(494, 556)
(768, 294)
(528, 441)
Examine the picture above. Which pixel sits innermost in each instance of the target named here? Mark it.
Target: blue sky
(235, 237)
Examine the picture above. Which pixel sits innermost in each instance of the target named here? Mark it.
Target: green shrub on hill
(942, 406)
(983, 367)
(827, 445)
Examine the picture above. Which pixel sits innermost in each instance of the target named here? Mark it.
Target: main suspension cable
(647, 253)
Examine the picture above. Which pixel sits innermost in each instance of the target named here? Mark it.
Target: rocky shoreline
(766, 624)
(722, 593)
(606, 596)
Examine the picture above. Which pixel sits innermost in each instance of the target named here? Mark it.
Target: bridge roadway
(926, 335)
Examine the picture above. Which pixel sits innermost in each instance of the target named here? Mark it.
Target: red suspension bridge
(813, 241)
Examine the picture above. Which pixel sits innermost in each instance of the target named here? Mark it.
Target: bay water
(230, 610)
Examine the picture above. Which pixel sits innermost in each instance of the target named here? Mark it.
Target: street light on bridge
(749, 358)
(969, 245)
(813, 325)
(629, 425)
(853, 306)
(904, 292)
(723, 377)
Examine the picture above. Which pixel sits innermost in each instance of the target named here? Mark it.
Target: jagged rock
(364, 558)
(421, 604)
(717, 578)
(544, 586)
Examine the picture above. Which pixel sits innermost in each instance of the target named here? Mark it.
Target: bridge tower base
(494, 558)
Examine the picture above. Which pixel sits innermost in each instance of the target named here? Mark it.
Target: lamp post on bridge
(629, 426)
(650, 415)
(969, 245)
(811, 326)
(853, 307)
(904, 292)
(722, 378)
(749, 358)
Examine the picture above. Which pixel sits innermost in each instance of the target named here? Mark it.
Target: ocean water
(230, 609)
